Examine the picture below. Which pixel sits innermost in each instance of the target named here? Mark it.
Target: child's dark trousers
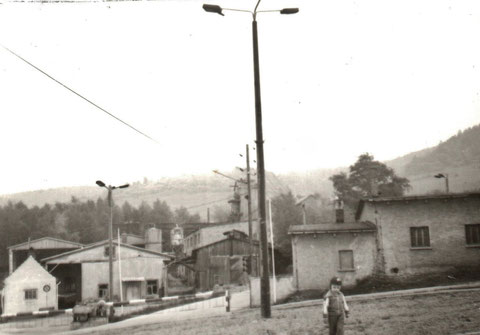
(335, 324)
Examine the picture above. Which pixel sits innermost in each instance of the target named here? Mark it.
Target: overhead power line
(78, 94)
(208, 203)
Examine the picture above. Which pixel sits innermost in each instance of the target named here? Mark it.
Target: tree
(182, 216)
(284, 214)
(368, 178)
(221, 214)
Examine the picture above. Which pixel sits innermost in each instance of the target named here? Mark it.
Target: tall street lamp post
(110, 233)
(265, 281)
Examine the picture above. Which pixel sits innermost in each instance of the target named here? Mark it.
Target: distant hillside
(310, 182)
(459, 157)
(196, 193)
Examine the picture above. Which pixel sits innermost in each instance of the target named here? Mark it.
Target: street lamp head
(100, 183)
(289, 11)
(213, 9)
(440, 175)
(124, 186)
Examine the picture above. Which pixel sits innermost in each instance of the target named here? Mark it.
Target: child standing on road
(335, 308)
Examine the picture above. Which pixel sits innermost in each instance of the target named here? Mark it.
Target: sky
(338, 79)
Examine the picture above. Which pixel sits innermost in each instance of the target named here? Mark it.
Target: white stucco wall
(94, 274)
(29, 275)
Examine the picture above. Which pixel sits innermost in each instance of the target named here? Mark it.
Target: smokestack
(153, 239)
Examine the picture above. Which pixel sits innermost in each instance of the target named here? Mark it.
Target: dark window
(31, 294)
(420, 237)
(346, 259)
(69, 285)
(472, 233)
(103, 290)
(152, 287)
(107, 249)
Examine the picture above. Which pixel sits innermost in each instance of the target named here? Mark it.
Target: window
(68, 285)
(31, 294)
(103, 290)
(346, 260)
(419, 237)
(472, 233)
(106, 251)
(152, 287)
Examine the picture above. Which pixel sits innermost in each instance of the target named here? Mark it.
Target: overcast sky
(339, 78)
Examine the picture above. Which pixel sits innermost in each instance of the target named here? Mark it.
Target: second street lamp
(110, 233)
(265, 279)
(444, 175)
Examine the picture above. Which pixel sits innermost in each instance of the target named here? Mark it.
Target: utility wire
(208, 203)
(79, 95)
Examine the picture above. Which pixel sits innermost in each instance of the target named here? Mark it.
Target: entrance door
(133, 290)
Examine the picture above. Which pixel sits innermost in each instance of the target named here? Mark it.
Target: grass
(375, 284)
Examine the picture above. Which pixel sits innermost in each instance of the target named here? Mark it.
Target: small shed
(321, 251)
(29, 288)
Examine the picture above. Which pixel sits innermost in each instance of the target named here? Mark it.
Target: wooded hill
(459, 157)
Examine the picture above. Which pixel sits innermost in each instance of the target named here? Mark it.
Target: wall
(446, 219)
(14, 295)
(284, 287)
(97, 273)
(215, 260)
(58, 323)
(316, 258)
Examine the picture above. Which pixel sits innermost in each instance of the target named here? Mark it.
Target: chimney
(339, 213)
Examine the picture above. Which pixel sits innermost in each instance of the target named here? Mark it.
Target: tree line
(80, 221)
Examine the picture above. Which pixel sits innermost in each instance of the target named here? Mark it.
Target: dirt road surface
(438, 313)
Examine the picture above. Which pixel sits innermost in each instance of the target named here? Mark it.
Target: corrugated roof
(325, 228)
(101, 243)
(70, 243)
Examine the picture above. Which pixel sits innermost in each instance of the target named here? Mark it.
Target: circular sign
(46, 288)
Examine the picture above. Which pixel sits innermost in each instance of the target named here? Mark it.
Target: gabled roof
(64, 244)
(231, 237)
(29, 270)
(216, 225)
(327, 228)
(411, 198)
(101, 243)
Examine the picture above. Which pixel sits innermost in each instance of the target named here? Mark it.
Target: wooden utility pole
(249, 208)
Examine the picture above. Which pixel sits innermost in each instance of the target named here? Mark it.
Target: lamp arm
(255, 11)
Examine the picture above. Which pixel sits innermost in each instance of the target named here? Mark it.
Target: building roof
(444, 196)
(215, 225)
(231, 237)
(326, 228)
(29, 271)
(46, 243)
(101, 243)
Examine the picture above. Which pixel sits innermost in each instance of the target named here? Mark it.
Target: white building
(29, 288)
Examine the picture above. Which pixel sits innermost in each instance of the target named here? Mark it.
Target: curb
(38, 314)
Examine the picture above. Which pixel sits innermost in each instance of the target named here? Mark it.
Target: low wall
(284, 287)
(61, 321)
